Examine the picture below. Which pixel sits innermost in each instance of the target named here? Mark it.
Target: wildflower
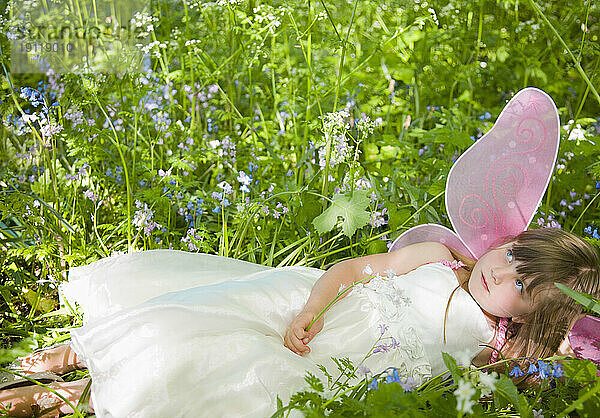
(394, 344)
(36, 203)
(394, 378)
(558, 370)
(367, 270)
(595, 234)
(363, 370)
(382, 329)
(35, 97)
(464, 393)
(50, 129)
(537, 414)
(244, 179)
(382, 348)
(377, 218)
(90, 195)
(516, 372)
(373, 385)
(544, 369)
(227, 189)
(409, 384)
(532, 369)
(488, 381)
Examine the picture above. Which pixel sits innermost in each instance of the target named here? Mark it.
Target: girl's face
(496, 286)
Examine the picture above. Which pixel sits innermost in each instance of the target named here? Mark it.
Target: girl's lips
(484, 283)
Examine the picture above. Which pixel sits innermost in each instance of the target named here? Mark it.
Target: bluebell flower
(216, 209)
(598, 185)
(252, 167)
(595, 234)
(516, 372)
(157, 240)
(109, 172)
(172, 181)
(395, 378)
(487, 115)
(544, 369)
(532, 369)
(588, 229)
(373, 385)
(558, 370)
(190, 205)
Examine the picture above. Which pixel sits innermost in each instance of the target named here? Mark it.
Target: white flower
(463, 358)
(537, 414)
(464, 393)
(488, 381)
(36, 203)
(244, 178)
(368, 270)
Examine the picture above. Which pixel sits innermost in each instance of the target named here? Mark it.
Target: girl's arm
(349, 272)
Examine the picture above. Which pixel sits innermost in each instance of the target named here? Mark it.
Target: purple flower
(381, 349)
(90, 195)
(409, 384)
(382, 329)
(363, 370)
(572, 194)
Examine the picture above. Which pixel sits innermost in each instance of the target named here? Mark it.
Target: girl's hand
(296, 338)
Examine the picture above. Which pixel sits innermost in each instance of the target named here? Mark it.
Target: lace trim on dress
(406, 351)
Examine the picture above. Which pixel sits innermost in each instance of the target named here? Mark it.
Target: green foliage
(350, 209)
(252, 115)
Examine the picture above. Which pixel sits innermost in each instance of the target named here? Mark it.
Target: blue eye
(519, 285)
(510, 256)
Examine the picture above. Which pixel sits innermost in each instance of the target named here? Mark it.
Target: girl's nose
(499, 274)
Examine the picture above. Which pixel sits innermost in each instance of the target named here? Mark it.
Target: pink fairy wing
(584, 338)
(495, 187)
(431, 232)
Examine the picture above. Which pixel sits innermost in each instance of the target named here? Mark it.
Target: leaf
(586, 300)
(580, 370)
(351, 209)
(452, 366)
(314, 382)
(507, 391)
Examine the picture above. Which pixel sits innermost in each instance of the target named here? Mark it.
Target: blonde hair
(544, 257)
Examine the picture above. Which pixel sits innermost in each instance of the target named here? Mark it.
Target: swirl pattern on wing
(515, 160)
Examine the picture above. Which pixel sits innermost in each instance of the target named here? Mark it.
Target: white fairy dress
(175, 334)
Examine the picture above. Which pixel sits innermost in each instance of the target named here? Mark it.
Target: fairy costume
(209, 335)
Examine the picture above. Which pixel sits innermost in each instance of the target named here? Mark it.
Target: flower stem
(338, 297)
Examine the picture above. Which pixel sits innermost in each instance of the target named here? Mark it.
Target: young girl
(176, 334)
